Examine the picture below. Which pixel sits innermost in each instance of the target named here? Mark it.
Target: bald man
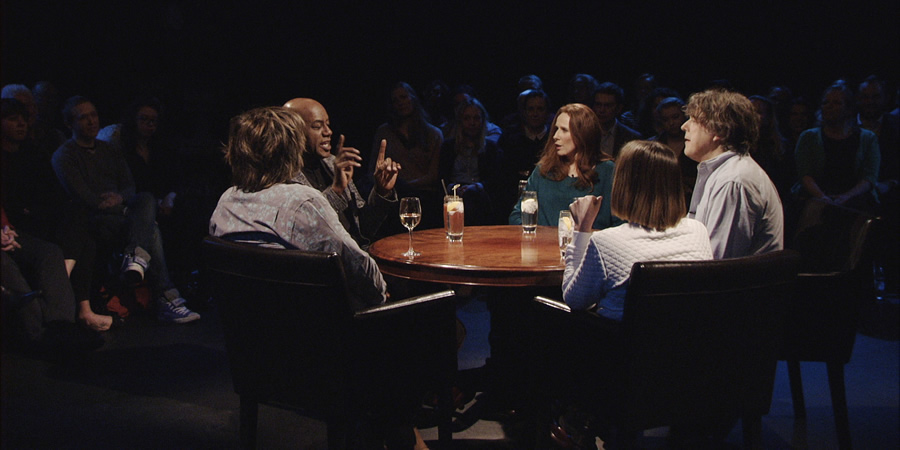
(332, 174)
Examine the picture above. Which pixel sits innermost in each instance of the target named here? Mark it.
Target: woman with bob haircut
(267, 208)
(647, 192)
(571, 166)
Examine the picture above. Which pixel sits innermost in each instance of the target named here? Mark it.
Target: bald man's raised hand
(346, 160)
(386, 172)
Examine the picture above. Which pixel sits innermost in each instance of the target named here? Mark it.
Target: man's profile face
(318, 125)
(606, 108)
(85, 121)
(699, 142)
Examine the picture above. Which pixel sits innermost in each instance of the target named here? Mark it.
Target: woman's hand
(9, 239)
(584, 212)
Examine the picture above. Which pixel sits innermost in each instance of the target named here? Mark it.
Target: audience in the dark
(769, 152)
(581, 89)
(522, 145)
(415, 144)
(471, 163)
(608, 104)
(839, 161)
(99, 182)
(670, 114)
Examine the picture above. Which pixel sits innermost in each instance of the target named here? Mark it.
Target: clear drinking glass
(454, 217)
(410, 216)
(529, 211)
(566, 230)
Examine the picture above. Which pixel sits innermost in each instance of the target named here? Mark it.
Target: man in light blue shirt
(733, 196)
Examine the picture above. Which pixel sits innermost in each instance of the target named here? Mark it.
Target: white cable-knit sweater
(598, 264)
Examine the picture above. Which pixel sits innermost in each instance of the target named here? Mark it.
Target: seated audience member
(839, 161)
(267, 207)
(437, 103)
(522, 146)
(46, 98)
(648, 121)
(472, 164)
(571, 166)
(872, 105)
(98, 180)
(643, 85)
(461, 94)
(800, 119)
(647, 193)
(733, 196)
(608, 103)
(360, 218)
(150, 158)
(769, 152)
(513, 121)
(670, 113)
(38, 201)
(47, 321)
(414, 144)
(581, 89)
(43, 139)
(781, 99)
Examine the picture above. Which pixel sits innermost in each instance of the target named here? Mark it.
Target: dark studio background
(211, 60)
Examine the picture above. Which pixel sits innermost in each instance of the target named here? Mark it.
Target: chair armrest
(551, 303)
(408, 304)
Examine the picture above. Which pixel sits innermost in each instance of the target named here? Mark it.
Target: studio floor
(164, 386)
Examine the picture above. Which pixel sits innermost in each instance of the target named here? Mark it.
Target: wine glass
(410, 215)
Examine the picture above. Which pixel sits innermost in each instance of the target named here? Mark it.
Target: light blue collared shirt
(739, 205)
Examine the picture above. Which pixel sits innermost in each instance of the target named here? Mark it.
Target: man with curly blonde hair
(733, 196)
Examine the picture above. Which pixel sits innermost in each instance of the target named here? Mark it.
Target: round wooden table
(499, 255)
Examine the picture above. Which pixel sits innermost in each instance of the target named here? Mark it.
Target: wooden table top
(499, 255)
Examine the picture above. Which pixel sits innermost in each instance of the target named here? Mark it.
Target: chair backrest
(286, 315)
(831, 238)
(701, 338)
(835, 282)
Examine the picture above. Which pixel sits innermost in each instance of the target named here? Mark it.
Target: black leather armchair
(293, 340)
(698, 343)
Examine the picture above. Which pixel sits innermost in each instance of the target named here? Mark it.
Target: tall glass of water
(529, 211)
(410, 216)
(566, 230)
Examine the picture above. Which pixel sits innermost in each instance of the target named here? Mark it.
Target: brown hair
(647, 187)
(585, 130)
(264, 147)
(729, 116)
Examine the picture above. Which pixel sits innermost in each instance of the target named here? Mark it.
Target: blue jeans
(136, 227)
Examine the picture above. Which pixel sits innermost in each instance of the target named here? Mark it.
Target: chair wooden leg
(445, 416)
(839, 404)
(796, 389)
(249, 414)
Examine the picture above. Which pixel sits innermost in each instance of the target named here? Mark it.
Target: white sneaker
(174, 311)
(133, 268)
